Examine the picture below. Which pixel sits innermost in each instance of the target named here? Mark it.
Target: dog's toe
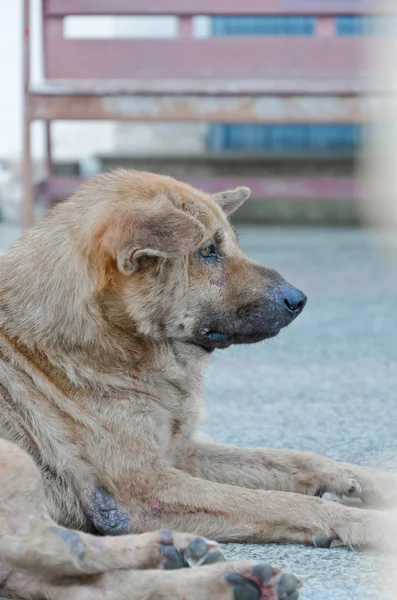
(213, 556)
(201, 552)
(287, 588)
(263, 582)
(173, 557)
(180, 551)
(263, 572)
(243, 589)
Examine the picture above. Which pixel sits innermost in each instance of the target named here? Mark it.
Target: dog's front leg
(288, 471)
(173, 499)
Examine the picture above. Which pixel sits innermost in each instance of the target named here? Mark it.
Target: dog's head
(170, 266)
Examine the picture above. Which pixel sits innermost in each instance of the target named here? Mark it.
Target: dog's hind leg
(31, 540)
(245, 580)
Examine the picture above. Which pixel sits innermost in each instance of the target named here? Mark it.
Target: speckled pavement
(326, 384)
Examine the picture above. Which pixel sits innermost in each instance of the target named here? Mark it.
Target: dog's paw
(355, 528)
(335, 480)
(183, 550)
(173, 550)
(348, 482)
(262, 582)
(372, 488)
(376, 488)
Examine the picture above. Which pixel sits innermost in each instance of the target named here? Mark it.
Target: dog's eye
(208, 254)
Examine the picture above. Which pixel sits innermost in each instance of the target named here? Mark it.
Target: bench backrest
(215, 59)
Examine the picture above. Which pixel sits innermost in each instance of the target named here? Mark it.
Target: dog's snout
(294, 300)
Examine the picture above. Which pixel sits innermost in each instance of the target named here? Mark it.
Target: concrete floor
(326, 384)
(7, 234)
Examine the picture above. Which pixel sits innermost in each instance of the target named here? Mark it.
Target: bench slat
(297, 59)
(224, 87)
(317, 109)
(263, 188)
(217, 7)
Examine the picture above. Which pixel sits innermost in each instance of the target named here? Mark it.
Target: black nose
(294, 300)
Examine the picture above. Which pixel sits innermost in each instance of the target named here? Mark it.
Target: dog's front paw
(377, 488)
(314, 476)
(368, 529)
(173, 550)
(186, 550)
(370, 487)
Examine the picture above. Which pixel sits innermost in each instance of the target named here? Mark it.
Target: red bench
(274, 79)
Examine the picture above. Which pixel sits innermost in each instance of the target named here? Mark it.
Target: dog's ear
(231, 200)
(160, 230)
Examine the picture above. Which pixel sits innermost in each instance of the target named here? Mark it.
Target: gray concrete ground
(7, 234)
(326, 384)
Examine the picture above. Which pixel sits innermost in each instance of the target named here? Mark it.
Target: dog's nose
(294, 300)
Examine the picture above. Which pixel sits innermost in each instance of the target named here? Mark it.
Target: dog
(109, 310)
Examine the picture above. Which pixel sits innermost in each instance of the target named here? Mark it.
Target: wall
(71, 140)
(79, 140)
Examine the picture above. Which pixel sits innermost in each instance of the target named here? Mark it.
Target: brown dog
(109, 309)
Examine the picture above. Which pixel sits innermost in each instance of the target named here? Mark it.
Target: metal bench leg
(49, 164)
(27, 178)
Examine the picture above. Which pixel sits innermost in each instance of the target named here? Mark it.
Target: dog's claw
(201, 552)
(322, 542)
(355, 488)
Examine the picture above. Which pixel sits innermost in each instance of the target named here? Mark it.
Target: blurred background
(272, 92)
(294, 98)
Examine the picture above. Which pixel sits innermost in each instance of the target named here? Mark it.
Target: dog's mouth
(210, 340)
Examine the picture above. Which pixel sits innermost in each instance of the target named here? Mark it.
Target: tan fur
(101, 306)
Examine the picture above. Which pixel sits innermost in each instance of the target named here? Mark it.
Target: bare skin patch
(72, 539)
(220, 278)
(105, 516)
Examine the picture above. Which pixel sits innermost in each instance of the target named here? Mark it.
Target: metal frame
(218, 7)
(253, 80)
